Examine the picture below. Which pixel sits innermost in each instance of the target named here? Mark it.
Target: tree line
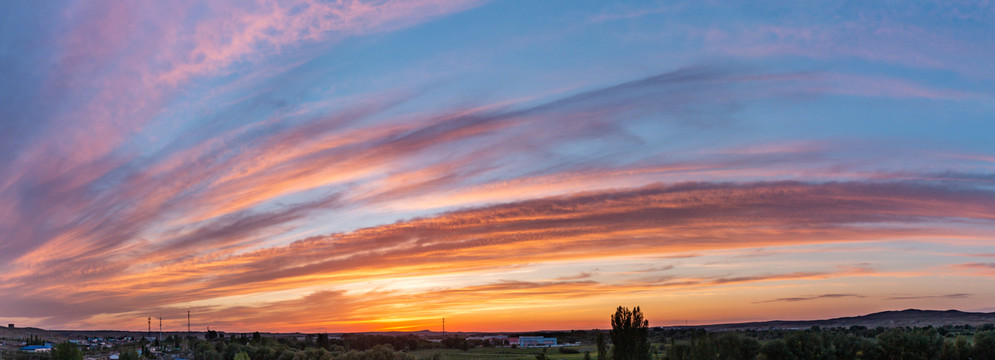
(836, 343)
(631, 339)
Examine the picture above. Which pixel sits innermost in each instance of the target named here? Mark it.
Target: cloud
(945, 296)
(980, 269)
(253, 30)
(648, 269)
(623, 13)
(657, 219)
(580, 276)
(114, 68)
(894, 88)
(157, 156)
(810, 297)
(247, 167)
(888, 39)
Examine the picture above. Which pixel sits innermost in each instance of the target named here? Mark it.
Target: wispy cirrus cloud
(980, 269)
(888, 40)
(944, 296)
(811, 297)
(118, 64)
(233, 156)
(651, 220)
(278, 160)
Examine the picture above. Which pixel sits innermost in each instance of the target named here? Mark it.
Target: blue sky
(407, 161)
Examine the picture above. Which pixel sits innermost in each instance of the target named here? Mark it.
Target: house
(536, 341)
(37, 348)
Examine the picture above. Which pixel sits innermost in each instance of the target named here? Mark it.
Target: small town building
(536, 341)
(37, 348)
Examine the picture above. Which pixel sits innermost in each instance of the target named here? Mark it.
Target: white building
(536, 341)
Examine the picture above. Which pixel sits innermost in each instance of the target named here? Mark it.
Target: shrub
(566, 350)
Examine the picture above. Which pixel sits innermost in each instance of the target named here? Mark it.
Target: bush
(67, 351)
(566, 350)
(984, 345)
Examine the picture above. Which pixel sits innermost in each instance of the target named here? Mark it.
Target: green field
(503, 353)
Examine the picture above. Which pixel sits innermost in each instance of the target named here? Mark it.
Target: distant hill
(16, 333)
(910, 317)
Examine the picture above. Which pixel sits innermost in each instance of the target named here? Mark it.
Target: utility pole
(163, 346)
(188, 321)
(150, 327)
(443, 328)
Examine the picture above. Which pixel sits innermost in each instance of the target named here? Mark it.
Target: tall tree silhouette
(602, 347)
(630, 335)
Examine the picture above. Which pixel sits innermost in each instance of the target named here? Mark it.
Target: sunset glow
(355, 165)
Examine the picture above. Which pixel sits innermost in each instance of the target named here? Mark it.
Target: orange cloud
(655, 220)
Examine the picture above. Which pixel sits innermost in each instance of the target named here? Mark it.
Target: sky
(344, 166)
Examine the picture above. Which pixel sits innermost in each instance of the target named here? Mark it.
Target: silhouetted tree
(34, 340)
(630, 335)
(602, 346)
(542, 355)
(130, 354)
(776, 350)
(917, 343)
(806, 344)
(734, 346)
(957, 349)
(679, 351)
(984, 345)
(702, 347)
(66, 351)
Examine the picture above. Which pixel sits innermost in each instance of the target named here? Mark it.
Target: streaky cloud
(810, 297)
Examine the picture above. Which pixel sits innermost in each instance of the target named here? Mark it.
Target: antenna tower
(150, 326)
(188, 320)
(443, 327)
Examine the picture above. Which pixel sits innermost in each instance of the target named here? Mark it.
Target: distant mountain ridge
(894, 318)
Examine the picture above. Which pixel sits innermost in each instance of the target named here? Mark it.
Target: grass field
(503, 353)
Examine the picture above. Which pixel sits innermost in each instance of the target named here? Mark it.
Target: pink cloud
(247, 32)
(894, 88)
(878, 41)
